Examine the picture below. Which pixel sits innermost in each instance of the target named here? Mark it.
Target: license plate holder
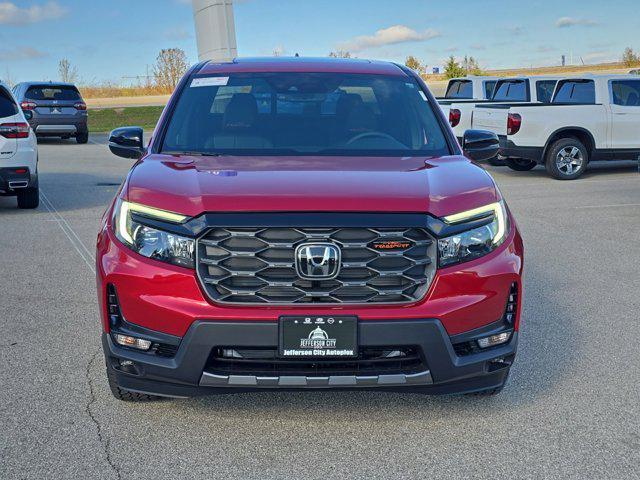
(312, 336)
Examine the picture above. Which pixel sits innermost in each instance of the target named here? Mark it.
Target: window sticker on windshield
(209, 81)
(424, 97)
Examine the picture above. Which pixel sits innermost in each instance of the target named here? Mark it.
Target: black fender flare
(566, 129)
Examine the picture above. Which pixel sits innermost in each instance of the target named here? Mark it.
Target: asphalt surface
(569, 411)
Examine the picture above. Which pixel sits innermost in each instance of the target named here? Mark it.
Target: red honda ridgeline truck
(306, 224)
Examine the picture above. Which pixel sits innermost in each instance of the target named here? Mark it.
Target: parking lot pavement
(569, 411)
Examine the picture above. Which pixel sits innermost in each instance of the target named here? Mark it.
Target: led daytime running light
(496, 208)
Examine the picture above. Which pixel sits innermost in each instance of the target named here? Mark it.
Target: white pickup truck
(512, 90)
(595, 117)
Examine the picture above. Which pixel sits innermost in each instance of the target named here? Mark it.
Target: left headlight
(151, 242)
(476, 242)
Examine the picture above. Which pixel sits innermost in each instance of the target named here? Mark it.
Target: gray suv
(56, 109)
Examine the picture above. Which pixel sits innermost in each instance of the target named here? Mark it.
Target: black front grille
(257, 265)
(266, 362)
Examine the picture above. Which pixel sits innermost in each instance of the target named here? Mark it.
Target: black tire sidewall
(29, 198)
(513, 164)
(555, 148)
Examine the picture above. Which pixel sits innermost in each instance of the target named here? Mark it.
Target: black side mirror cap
(127, 142)
(480, 144)
(28, 114)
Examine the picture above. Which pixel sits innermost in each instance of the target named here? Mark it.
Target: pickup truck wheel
(82, 138)
(520, 164)
(126, 395)
(567, 159)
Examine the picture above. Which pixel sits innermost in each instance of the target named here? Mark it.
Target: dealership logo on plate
(318, 339)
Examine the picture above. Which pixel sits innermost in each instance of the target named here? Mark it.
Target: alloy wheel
(569, 160)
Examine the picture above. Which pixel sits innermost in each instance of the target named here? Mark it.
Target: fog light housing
(493, 340)
(127, 341)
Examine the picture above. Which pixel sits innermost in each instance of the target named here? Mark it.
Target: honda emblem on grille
(317, 261)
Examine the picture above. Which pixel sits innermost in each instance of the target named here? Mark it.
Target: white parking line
(82, 250)
(613, 205)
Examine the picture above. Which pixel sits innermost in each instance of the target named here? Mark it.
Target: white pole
(215, 29)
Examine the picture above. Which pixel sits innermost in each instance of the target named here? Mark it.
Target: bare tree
(68, 73)
(8, 78)
(170, 66)
(340, 54)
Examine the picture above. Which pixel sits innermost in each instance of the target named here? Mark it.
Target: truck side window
(626, 93)
(460, 89)
(489, 85)
(511, 91)
(544, 90)
(576, 91)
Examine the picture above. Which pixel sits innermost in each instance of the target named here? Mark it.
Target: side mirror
(127, 142)
(28, 114)
(480, 144)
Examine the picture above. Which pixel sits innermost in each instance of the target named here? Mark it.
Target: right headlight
(476, 242)
(152, 242)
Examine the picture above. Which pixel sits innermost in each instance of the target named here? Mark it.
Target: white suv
(18, 153)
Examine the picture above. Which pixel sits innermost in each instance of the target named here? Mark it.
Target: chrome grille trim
(256, 266)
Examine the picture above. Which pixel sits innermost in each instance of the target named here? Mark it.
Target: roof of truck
(302, 64)
(601, 76)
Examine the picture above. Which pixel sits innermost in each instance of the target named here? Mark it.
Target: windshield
(304, 114)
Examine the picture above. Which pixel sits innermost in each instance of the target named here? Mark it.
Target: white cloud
(11, 14)
(388, 36)
(21, 53)
(564, 22)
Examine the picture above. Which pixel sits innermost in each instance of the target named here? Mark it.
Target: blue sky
(111, 39)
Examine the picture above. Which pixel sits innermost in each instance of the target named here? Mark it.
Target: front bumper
(189, 371)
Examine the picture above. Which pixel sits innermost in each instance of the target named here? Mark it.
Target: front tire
(567, 159)
(28, 198)
(82, 138)
(520, 164)
(126, 395)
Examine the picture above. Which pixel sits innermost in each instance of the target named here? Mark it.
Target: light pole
(215, 29)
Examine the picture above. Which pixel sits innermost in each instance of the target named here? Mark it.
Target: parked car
(596, 117)
(317, 243)
(18, 153)
(635, 71)
(58, 109)
(512, 90)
